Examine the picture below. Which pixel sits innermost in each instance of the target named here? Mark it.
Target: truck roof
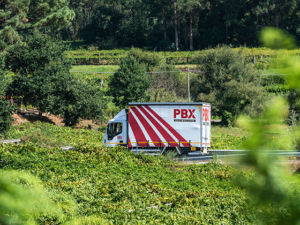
(167, 103)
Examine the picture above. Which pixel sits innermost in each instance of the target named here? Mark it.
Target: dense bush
(167, 84)
(5, 107)
(229, 83)
(5, 116)
(120, 187)
(42, 79)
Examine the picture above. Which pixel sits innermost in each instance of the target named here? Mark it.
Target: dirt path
(33, 116)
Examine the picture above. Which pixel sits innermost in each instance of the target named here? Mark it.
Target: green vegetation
(18, 187)
(124, 188)
(227, 138)
(5, 108)
(143, 76)
(95, 68)
(91, 184)
(48, 135)
(18, 16)
(130, 82)
(272, 185)
(5, 116)
(113, 185)
(263, 56)
(114, 68)
(101, 185)
(178, 25)
(228, 82)
(42, 79)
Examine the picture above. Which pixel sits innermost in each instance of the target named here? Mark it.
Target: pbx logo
(184, 115)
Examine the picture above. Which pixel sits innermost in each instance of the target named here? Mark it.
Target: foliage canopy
(230, 83)
(130, 82)
(42, 79)
(5, 108)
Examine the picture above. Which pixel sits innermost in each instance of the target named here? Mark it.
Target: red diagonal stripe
(170, 128)
(152, 134)
(163, 132)
(129, 143)
(137, 131)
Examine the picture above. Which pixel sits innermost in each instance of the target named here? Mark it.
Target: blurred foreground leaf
(275, 191)
(276, 39)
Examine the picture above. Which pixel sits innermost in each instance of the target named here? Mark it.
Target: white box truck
(159, 127)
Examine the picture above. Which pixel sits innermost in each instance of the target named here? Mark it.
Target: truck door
(115, 134)
(206, 123)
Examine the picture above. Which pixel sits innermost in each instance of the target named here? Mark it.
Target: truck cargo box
(158, 125)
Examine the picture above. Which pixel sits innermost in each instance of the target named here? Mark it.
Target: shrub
(5, 116)
(5, 108)
(229, 83)
(167, 84)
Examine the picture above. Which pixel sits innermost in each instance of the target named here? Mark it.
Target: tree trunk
(175, 26)
(191, 31)
(277, 18)
(164, 25)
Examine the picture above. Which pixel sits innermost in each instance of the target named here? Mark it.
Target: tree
(130, 82)
(175, 21)
(161, 9)
(189, 24)
(5, 108)
(84, 10)
(229, 83)
(42, 79)
(192, 9)
(19, 16)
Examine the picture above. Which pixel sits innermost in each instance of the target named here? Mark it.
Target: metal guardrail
(219, 154)
(66, 148)
(12, 141)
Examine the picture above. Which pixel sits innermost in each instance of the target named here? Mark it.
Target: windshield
(114, 129)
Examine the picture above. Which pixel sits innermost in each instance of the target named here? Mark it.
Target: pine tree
(20, 16)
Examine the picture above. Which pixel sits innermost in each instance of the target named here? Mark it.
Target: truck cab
(116, 131)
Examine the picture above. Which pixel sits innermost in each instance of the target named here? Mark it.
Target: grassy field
(97, 185)
(95, 68)
(89, 72)
(227, 138)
